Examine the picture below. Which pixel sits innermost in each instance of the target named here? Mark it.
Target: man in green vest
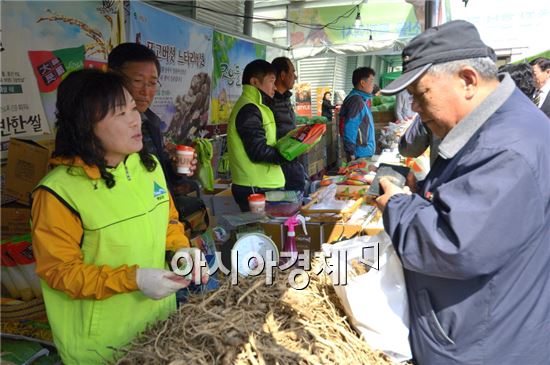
(251, 135)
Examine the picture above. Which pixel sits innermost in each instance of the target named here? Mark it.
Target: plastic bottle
(290, 242)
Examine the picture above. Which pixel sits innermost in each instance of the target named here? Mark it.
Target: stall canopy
(373, 27)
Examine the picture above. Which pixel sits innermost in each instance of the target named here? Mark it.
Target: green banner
(231, 55)
(384, 20)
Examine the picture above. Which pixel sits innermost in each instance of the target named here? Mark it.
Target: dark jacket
(285, 117)
(152, 138)
(545, 107)
(475, 239)
(249, 126)
(326, 109)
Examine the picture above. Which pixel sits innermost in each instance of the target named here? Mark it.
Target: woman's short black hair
(84, 98)
(258, 69)
(326, 93)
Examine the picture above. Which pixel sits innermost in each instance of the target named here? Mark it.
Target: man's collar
(144, 116)
(266, 99)
(546, 87)
(467, 127)
(287, 94)
(365, 95)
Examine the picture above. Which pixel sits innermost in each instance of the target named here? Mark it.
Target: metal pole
(248, 12)
(429, 14)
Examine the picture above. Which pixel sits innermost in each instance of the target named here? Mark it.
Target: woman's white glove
(182, 261)
(159, 283)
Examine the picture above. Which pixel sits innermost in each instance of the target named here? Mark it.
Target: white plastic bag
(376, 301)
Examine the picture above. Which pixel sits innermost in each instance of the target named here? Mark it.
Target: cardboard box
(311, 168)
(208, 198)
(384, 117)
(15, 219)
(27, 165)
(374, 227)
(312, 241)
(224, 203)
(340, 231)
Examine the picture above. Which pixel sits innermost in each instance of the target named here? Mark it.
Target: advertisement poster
(184, 49)
(50, 68)
(302, 93)
(21, 117)
(55, 37)
(320, 92)
(231, 55)
(383, 19)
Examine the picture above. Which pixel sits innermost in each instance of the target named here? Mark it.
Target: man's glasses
(140, 84)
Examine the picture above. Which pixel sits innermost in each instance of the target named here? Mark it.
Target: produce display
(383, 103)
(252, 323)
(353, 194)
(391, 134)
(300, 140)
(356, 176)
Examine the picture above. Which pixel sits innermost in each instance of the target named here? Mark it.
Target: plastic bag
(300, 140)
(375, 301)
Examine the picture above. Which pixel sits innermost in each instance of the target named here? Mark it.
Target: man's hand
(193, 166)
(174, 160)
(411, 182)
(389, 191)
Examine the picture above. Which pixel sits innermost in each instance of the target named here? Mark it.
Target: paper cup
(185, 156)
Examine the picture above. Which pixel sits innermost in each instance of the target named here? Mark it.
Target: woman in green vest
(102, 220)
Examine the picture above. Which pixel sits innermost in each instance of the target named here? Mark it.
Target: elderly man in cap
(475, 237)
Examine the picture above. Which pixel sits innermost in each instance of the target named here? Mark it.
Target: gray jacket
(417, 139)
(475, 240)
(403, 105)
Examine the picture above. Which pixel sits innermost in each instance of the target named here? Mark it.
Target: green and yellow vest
(243, 171)
(124, 225)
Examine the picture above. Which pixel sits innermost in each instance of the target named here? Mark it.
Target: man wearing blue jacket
(356, 121)
(474, 239)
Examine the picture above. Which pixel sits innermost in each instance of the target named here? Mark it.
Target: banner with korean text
(49, 39)
(231, 55)
(184, 50)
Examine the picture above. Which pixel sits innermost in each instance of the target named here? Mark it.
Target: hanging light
(358, 18)
(370, 43)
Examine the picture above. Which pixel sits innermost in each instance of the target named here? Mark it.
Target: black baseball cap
(455, 40)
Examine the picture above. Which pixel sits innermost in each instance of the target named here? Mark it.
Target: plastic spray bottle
(290, 243)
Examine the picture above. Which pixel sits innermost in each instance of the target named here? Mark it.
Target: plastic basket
(32, 309)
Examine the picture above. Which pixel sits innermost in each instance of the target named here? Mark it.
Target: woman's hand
(159, 283)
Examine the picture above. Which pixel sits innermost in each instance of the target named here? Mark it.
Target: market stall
(254, 323)
(200, 81)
